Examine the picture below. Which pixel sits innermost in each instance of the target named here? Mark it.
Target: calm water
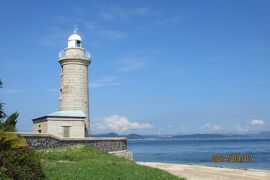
(194, 151)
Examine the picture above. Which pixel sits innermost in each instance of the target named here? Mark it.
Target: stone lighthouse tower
(74, 61)
(72, 119)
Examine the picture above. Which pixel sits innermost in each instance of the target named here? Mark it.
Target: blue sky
(169, 67)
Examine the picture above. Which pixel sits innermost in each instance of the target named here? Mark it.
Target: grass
(84, 162)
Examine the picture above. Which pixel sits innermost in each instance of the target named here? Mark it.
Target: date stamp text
(232, 158)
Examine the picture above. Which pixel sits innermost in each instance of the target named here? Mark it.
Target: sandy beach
(200, 172)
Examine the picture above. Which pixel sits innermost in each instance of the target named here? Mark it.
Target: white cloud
(133, 63)
(256, 122)
(241, 129)
(109, 80)
(212, 127)
(121, 123)
(251, 125)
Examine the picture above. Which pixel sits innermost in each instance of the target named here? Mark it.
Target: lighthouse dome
(75, 40)
(74, 36)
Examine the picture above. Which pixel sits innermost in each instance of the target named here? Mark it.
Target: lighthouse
(74, 61)
(72, 120)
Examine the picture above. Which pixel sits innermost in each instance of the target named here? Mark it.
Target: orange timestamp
(232, 158)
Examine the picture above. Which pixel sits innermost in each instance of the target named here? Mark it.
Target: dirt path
(200, 172)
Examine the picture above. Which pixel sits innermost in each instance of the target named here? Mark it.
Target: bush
(11, 140)
(20, 163)
(2, 174)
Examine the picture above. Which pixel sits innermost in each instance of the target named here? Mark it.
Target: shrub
(20, 163)
(11, 140)
(2, 174)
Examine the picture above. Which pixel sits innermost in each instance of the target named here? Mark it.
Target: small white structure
(72, 119)
(61, 124)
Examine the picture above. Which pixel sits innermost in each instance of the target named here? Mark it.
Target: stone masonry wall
(39, 141)
(74, 82)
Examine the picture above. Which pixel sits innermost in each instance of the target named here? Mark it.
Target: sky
(168, 67)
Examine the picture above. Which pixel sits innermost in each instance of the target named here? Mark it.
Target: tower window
(78, 43)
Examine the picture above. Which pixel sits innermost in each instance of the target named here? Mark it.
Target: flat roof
(68, 114)
(62, 114)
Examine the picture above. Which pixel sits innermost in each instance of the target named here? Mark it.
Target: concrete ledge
(41, 141)
(68, 139)
(125, 154)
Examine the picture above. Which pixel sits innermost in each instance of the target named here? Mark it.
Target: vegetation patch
(84, 162)
(20, 163)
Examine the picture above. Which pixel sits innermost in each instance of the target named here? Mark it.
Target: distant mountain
(264, 135)
(129, 136)
(107, 135)
(209, 136)
(200, 136)
(135, 136)
(261, 135)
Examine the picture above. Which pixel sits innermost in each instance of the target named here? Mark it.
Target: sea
(234, 153)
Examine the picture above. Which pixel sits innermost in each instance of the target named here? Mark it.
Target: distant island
(261, 135)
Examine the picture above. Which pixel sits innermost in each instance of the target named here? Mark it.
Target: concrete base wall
(125, 154)
(41, 141)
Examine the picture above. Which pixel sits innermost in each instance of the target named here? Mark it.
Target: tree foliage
(9, 139)
(17, 160)
(10, 124)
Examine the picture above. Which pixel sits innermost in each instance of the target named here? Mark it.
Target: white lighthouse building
(72, 120)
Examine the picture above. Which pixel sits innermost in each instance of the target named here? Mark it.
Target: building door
(66, 131)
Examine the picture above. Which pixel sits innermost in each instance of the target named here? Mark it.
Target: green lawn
(84, 162)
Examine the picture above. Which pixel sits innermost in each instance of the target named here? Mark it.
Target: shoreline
(252, 169)
(203, 172)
